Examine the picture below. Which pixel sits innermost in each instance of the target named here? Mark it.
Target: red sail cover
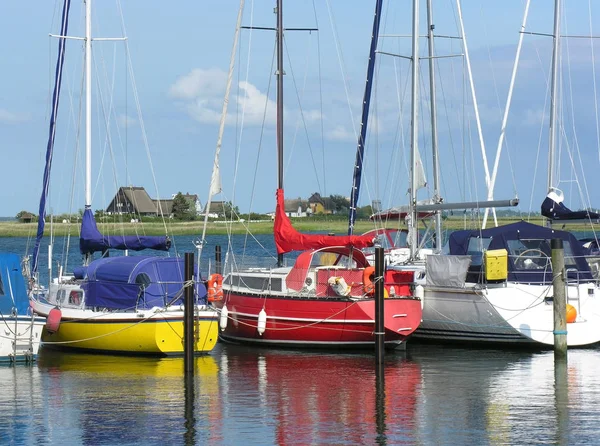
(288, 239)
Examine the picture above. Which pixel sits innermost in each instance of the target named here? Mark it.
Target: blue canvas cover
(558, 211)
(139, 282)
(13, 291)
(91, 240)
(500, 238)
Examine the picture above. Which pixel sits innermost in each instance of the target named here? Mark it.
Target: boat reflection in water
(250, 396)
(98, 399)
(553, 402)
(316, 398)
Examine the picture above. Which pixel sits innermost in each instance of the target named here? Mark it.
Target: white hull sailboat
(493, 285)
(20, 330)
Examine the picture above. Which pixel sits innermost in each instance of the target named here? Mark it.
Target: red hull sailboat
(326, 298)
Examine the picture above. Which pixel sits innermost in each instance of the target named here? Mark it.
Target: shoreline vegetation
(339, 226)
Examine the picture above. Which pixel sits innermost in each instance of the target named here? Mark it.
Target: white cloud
(12, 118)
(199, 83)
(253, 104)
(126, 121)
(200, 93)
(340, 133)
(533, 117)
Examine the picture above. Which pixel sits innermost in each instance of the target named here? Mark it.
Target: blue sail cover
(141, 282)
(501, 238)
(51, 133)
(558, 211)
(13, 292)
(91, 240)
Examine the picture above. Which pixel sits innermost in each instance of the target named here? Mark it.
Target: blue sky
(180, 55)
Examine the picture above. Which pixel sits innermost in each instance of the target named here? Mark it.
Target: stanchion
(218, 264)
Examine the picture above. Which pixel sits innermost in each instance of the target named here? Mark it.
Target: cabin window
(75, 297)
(1, 287)
(536, 253)
(331, 259)
(477, 245)
(143, 280)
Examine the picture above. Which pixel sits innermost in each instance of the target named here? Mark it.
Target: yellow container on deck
(496, 264)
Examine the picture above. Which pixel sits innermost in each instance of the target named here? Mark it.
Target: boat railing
(572, 282)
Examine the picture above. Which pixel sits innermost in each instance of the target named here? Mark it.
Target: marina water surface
(430, 395)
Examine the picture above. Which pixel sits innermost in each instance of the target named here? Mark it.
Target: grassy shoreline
(337, 226)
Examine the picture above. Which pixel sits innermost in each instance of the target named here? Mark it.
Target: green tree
(181, 207)
(339, 204)
(231, 211)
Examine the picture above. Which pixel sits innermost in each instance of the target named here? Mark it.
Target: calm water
(429, 395)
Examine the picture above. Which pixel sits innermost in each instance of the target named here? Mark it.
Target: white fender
(262, 322)
(223, 318)
(420, 293)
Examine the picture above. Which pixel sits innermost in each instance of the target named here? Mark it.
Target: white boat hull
(20, 338)
(507, 313)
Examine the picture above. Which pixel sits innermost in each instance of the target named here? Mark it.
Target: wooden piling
(188, 314)
(559, 298)
(379, 308)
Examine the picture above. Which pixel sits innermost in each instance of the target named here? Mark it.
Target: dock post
(218, 264)
(188, 314)
(379, 308)
(559, 298)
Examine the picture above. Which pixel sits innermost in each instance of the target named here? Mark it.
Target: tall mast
(553, 95)
(88, 103)
(414, 136)
(434, 136)
(360, 148)
(279, 104)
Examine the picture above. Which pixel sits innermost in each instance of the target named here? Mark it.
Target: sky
(161, 131)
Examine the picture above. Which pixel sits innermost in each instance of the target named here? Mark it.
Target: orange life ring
(368, 284)
(214, 288)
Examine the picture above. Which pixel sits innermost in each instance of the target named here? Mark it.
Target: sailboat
(492, 285)
(120, 304)
(20, 330)
(326, 298)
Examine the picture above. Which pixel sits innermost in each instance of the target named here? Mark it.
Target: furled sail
(91, 240)
(288, 239)
(554, 209)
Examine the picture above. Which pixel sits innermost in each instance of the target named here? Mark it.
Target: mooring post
(188, 314)
(559, 299)
(218, 264)
(379, 308)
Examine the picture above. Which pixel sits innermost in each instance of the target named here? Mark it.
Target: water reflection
(317, 398)
(137, 400)
(430, 395)
(547, 401)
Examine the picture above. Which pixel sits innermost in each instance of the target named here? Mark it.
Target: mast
(279, 73)
(434, 137)
(414, 136)
(51, 135)
(554, 94)
(360, 147)
(88, 104)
